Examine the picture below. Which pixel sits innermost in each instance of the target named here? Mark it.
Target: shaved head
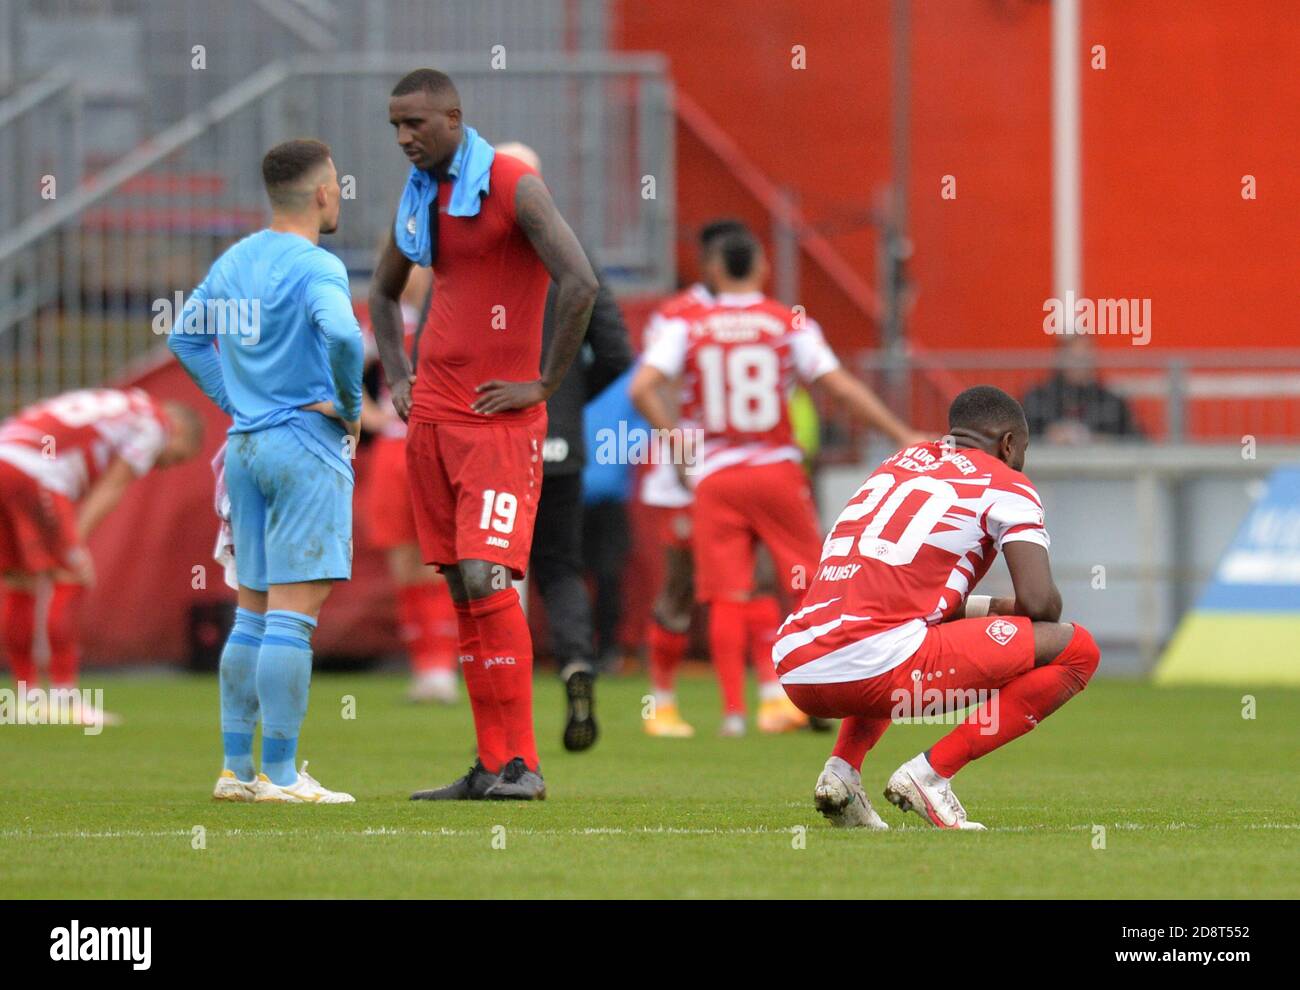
(517, 149)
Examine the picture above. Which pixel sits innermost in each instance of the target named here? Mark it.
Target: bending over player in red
(65, 463)
(889, 629)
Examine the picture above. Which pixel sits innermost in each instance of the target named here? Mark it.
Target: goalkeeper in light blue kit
(286, 367)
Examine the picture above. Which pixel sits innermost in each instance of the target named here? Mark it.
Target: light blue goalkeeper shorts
(290, 510)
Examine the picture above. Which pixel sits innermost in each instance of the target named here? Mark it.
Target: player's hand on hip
(324, 407)
(497, 396)
(401, 391)
(80, 568)
(353, 426)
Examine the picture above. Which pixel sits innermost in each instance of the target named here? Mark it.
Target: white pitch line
(613, 831)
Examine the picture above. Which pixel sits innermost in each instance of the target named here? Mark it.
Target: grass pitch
(1195, 801)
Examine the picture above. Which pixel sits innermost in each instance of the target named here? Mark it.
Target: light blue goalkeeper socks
(239, 691)
(283, 680)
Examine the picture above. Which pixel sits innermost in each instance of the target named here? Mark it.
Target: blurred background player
(426, 617)
(556, 557)
(65, 463)
(292, 384)
(476, 408)
(889, 619)
(669, 502)
(739, 357)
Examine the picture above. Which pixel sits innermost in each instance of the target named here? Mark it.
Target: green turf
(1196, 802)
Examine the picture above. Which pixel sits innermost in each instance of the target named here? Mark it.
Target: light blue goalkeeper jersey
(279, 312)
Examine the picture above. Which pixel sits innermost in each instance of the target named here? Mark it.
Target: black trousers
(555, 563)
(606, 543)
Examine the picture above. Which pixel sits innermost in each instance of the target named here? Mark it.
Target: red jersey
(739, 358)
(485, 319)
(908, 548)
(66, 442)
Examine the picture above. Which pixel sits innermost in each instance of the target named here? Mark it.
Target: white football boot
(305, 790)
(916, 787)
(733, 727)
(839, 796)
(231, 788)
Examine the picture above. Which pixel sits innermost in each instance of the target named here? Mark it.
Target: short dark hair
(986, 409)
(425, 80)
(715, 229)
(288, 162)
(740, 250)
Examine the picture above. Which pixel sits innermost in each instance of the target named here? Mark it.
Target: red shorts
(740, 506)
(475, 490)
(959, 656)
(387, 514)
(672, 526)
(38, 527)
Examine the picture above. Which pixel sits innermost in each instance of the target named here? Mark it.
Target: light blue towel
(470, 172)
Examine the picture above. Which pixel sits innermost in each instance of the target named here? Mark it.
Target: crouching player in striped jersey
(889, 629)
(289, 375)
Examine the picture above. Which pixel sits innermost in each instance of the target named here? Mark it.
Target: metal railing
(1168, 396)
(85, 274)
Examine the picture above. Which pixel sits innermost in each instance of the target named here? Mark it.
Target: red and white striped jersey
(66, 442)
(739, 359)
(908, 548)
(660, 485)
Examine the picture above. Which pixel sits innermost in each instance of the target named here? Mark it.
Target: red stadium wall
(1184, 108)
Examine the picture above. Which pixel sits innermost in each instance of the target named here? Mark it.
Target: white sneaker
(839, 796)
(231, 788)
(733, 726)
(916, 787)
(305, 790)
(433, 686)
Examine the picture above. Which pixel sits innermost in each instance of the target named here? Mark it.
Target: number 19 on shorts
(499, 511)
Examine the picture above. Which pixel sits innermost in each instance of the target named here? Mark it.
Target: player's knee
(1081, 655)
(482, 579)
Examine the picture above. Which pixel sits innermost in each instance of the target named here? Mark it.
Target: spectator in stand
(1073, 406)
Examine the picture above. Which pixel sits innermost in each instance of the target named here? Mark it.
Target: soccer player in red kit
(64, 464)
(889, 628)
(739, 357)
(487, 226)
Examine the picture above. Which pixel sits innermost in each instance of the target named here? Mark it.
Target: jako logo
(495, 661)
(77, 944)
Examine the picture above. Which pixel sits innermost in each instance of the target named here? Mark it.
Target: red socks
(857, 735)
(666, 651)
(18, 621)
(61, 630)
(728, 635)
(426, 617)
(762, 617)
(1018, 706)
(506, 660)
(488, 724)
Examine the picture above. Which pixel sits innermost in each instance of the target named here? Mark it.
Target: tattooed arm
(575, 283)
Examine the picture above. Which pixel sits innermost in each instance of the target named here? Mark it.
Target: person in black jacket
(1073, 406)
(556, 561)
